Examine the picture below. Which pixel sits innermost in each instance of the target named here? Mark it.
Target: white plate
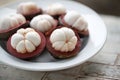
(45, 62)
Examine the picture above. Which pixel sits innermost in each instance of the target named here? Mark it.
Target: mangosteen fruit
(10, 23)
(75, 21)
(29, 10)
(44, 23)
(63, 43)
(26, 43)
(55, 10)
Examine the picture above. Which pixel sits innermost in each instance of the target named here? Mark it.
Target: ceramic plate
(91, 44)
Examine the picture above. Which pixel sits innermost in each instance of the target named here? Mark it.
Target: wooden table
(104, 66)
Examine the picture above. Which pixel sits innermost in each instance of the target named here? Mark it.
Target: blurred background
(109, 7)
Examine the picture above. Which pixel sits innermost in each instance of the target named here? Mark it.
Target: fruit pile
(32, 29)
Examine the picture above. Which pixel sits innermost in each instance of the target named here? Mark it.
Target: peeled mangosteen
(26, 43)
(44, 23)
(74, 20)
(29, 10)
(63, 43)
(55, 10)
(10, 23)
